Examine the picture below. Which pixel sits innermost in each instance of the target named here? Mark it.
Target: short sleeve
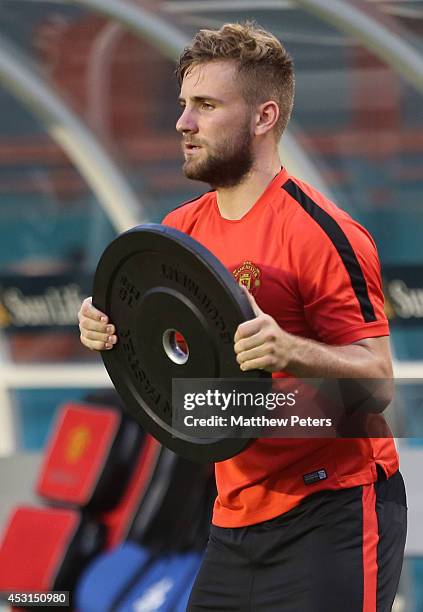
(340, 282)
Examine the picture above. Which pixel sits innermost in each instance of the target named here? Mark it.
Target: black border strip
(342, 245)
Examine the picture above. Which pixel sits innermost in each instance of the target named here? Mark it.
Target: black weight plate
(152, 279)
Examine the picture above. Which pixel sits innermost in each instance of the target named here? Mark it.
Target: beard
(227, 165)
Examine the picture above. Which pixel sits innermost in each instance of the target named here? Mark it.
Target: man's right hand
(97, 333)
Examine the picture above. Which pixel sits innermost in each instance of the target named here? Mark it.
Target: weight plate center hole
(175, 346)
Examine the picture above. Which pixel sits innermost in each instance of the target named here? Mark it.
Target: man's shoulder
(315, 213)
(310, 201)
(186, 213)
(321, 231)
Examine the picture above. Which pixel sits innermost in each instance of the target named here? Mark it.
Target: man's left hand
(261, 344)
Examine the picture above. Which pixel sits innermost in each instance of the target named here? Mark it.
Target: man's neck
(235, 202)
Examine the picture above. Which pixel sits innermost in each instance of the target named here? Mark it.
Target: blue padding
(108, 576)
(163, 585)
(182, 604)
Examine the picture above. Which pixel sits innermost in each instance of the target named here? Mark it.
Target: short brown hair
(265, 67)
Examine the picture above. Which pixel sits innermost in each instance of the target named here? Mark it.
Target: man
(312, 525)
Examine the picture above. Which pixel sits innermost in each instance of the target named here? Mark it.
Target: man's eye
(207, 106)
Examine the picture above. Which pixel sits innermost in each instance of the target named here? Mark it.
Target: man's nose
(186, 122)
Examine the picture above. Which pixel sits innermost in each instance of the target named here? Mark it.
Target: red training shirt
(316, 272)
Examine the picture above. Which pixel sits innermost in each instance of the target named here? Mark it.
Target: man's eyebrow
(200, 99)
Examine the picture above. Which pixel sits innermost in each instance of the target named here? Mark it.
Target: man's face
(216, 125)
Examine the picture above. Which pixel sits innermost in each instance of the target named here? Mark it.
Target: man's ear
(266, 117)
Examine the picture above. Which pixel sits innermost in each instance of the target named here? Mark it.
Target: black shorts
(338, 551)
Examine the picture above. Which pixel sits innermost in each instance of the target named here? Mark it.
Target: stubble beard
(227, 166)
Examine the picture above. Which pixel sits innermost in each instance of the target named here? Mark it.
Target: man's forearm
(366, 374)
(311, 359)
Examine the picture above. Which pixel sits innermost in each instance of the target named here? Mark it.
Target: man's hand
(261, 344)
(97, 333)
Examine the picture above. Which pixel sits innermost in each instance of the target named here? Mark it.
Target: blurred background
(88, 149)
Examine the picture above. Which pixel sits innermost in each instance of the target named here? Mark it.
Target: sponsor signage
(403, 289)
(31, 303)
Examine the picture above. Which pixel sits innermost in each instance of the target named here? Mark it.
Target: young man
(312, 525)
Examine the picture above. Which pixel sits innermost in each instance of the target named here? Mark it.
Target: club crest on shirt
(248, 274)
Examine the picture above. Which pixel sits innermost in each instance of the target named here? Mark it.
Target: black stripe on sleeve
(342, 245)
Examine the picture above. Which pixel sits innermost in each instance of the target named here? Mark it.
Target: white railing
(86, 376)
